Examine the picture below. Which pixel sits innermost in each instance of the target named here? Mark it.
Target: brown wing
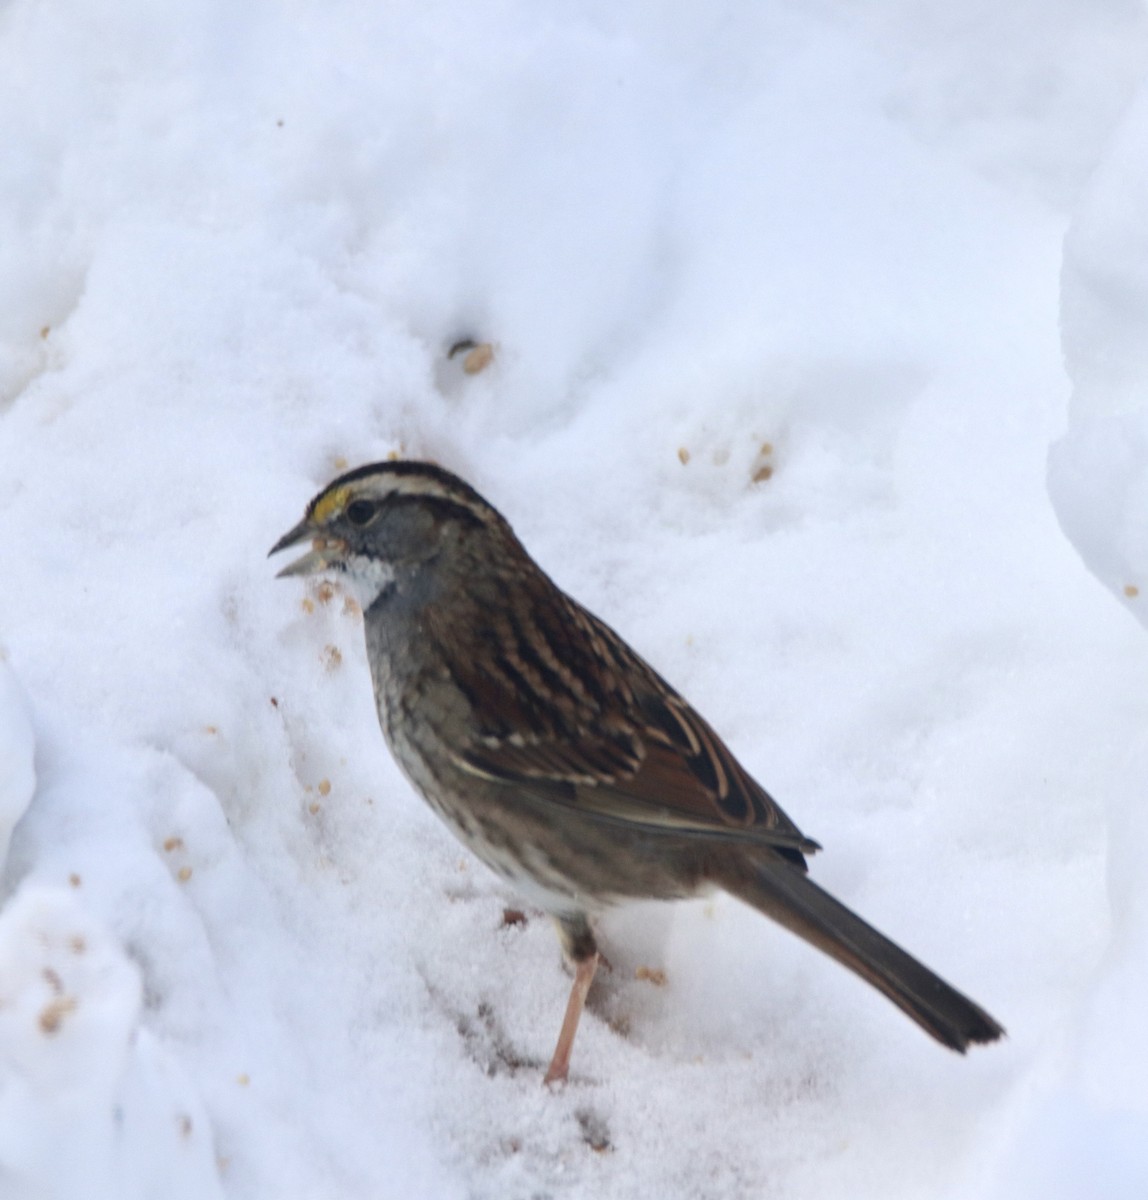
(566, 704)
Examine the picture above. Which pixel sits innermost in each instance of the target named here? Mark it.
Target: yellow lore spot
(330, 503)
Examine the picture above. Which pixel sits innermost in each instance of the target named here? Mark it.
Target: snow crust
(782, 298)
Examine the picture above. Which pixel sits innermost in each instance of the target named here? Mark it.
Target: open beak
(325, 553)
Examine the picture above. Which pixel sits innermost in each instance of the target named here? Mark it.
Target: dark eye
(361, 512)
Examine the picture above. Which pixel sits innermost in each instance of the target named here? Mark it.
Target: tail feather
(795, 901)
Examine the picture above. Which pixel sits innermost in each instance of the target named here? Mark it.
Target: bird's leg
(579, 945)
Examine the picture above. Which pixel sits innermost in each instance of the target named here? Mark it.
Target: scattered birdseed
(53, 1014)
(478, 359)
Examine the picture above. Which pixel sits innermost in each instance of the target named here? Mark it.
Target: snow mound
(90, 1105)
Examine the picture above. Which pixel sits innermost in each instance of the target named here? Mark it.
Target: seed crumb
(53, 1014)
(683, 455)
(184, 874)
(1131, 591)
(653, 975)
(173, 843)
(478, 359)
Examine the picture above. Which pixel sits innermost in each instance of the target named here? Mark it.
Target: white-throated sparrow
(561, 758)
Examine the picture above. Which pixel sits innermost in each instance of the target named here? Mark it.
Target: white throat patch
(367, 578)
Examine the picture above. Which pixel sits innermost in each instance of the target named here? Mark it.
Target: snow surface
(237, 956)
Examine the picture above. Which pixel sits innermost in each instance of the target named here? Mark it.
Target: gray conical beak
(317, 559)
(293, 536)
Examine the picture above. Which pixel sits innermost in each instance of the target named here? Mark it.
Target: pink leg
(583, 976)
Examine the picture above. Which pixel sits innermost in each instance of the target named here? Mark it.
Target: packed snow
(819, 372)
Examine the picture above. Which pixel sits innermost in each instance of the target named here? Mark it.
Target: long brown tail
(795, 901)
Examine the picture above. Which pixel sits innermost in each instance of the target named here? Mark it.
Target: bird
(556, 753)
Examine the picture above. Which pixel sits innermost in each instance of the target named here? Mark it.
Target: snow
(888, 259)
(17, 756)
(93, 1103)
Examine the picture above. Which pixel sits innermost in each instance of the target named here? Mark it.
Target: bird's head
(385, 520)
